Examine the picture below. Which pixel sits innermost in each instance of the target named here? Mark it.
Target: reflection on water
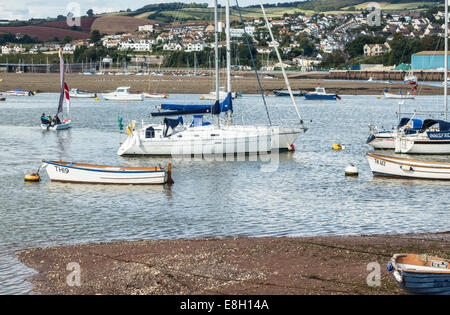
(306, 194)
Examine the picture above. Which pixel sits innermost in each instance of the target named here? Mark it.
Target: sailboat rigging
(60, 121)
(173, 137)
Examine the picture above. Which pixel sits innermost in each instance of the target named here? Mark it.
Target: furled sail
(61, 71)
(224, 106)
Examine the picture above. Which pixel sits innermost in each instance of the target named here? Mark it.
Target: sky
(26, 9)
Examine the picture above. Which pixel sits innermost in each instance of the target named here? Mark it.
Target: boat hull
(321, 97)
(383, 140)
(62, 126)
(399, 96)
(210, 140)
(129, 98)
(421, 274)
(388, 166)
(94, 174)
(415, 145)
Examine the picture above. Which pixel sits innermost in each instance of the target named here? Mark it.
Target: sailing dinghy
(63, 122)
(102, 174)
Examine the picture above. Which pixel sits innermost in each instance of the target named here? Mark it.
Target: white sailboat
(201, 137)
(434, 136)
(61, 121)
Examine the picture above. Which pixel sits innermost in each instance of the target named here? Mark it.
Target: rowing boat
(390, 166)
(101, 174)
(421, 274)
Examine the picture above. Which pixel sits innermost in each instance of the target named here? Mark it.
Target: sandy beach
(246, 84)
(286, 265)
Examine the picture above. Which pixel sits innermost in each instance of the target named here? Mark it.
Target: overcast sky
(26, 9)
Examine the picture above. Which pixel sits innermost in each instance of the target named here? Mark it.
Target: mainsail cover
(224, 106)
(61, 71)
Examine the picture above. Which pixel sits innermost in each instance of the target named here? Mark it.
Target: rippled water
(307, 195)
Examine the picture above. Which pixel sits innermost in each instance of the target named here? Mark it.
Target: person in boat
(45, 120)
(56, 120)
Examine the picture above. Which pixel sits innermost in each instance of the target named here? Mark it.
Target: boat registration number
(439, 264)
(380, 162)
(60, 169)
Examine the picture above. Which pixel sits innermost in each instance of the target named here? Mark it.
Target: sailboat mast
(446, 60)
(216, 50)
(227, 31)
(275, 46)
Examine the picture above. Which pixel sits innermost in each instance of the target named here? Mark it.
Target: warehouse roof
(430, 53)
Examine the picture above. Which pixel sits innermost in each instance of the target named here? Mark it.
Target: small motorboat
(399, 96)
(18, 93)
(286, 93)
(123, 94)
(391, 166)
(421, 274)
(155, 95)
(102, 174)
(77, 93)
(320, 94)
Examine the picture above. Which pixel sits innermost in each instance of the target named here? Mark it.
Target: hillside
(44, 33)
(118, 24)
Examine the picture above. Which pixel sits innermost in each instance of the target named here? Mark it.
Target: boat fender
(398, 276)
(337, 146)
(389, 266)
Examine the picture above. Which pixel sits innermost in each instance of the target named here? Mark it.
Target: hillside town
(305, 40)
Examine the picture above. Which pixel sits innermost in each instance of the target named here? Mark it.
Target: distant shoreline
(245, 84)
(261, 265)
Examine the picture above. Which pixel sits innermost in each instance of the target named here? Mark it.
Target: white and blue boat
(421, 274)
(384, 139)
(320, 94)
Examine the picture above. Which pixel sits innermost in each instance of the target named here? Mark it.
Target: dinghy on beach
(390, 166)
(102, 174)
(421, 274)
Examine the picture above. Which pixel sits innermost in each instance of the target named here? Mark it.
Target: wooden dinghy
(390, 166)
(101, 174)
(421, 274)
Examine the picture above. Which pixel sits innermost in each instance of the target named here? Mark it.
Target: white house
(146, 28)
(195, 46)
(142, 45)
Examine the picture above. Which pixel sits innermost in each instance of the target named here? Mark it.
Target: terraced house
(376, 49)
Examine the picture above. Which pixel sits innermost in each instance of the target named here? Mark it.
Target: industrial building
(428, 60)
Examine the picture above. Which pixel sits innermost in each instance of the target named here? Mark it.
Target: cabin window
(149, 132)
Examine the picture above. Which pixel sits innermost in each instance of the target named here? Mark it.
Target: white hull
(421, 145)
(130, 98)
(17, 93)
(155, 95)
(207, 140)
(62, 126)
(94, 174)
(398, 96)
(383, 140)
(382, 165)
(82, 95)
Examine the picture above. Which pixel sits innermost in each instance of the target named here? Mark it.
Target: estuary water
(306, 194)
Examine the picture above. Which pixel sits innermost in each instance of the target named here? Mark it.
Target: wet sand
(246, 84)
(294, 265)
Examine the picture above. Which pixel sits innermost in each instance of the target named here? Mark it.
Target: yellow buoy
(202, 98)
(337, 146)
(96, 98)
(379, 96)
(32, 178)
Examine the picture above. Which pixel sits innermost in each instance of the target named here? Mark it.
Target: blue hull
(321, 97)
(420, 283)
